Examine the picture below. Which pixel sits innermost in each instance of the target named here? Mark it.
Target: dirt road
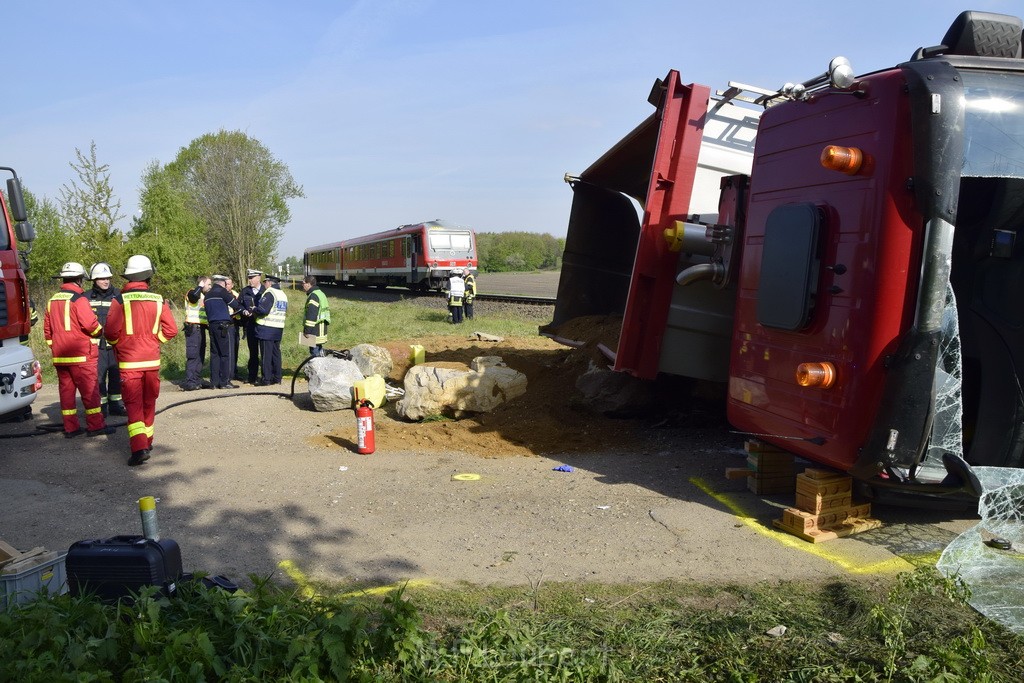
(249, 481)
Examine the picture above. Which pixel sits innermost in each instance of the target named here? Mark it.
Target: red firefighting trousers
(139, 390)
(80, 377)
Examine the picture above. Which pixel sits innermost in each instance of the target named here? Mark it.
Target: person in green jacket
(318, 315)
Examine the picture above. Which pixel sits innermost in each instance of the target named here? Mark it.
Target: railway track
(405, 293)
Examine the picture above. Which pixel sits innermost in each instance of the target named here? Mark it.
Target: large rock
(330, 382)
(372, 360)
(435, 389)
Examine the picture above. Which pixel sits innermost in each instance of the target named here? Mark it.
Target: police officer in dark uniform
(251, 295)
(108, 373)
(220, 305)
(270, 319)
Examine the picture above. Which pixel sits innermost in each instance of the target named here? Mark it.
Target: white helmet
(100, 271)
(139, 268)
(72, 269)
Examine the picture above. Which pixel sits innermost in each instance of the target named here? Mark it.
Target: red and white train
(418, 256)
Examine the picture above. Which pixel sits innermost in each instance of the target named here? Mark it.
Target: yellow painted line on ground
(380, 590)
(307, 590)
(298, 576)
(896, 564)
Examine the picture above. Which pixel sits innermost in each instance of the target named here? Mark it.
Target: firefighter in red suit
(139, 321)
(69, 327)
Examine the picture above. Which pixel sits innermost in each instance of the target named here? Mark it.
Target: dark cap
(273, 278)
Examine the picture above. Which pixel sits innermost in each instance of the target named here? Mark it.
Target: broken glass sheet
(947, 426)
(994, 573)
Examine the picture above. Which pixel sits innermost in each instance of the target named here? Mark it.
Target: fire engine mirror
(17, 201)
(789, 267)
(24, 231)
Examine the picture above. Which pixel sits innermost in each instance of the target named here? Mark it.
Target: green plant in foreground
(904, 614)
(916, 629)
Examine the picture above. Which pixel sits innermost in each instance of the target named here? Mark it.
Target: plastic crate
(24, 586)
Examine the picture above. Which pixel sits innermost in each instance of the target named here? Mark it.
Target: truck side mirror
(17, 201)
(24, 231)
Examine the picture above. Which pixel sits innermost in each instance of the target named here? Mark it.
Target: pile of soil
(545, 421)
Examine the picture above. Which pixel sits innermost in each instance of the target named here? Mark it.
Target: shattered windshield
(993, 125)
(989, 556)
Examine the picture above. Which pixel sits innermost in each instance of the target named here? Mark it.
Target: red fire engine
(859, 287)
(20, 375)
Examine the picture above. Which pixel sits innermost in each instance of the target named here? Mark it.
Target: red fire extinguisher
(364, 428)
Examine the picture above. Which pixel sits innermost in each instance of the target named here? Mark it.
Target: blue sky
(396, 111)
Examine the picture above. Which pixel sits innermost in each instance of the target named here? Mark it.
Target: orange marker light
(846, 160)
(821, 375)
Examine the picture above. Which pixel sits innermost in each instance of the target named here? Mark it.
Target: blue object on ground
(563, 468)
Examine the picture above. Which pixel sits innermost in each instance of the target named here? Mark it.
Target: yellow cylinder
(416, 354)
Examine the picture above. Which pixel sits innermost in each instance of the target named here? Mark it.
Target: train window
(789, 266)
(442, 241)
(461, 241)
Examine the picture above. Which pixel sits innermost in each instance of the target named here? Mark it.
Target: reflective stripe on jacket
(138, 323)
(317, 309)
(69, 326)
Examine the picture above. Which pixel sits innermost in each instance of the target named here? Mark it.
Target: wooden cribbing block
(818, 503)
(772, 468)
(763, 485)
(829, 486)
(817, 473)
(738, 472)
(793, 518)
(851, 526)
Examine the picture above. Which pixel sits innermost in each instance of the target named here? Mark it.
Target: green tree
(240, 191)
(518, 251)
(168, 233)
(293, 265)
(53, 247)
(89, 210)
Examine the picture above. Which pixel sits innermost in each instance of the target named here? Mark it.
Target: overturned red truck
(860, 288)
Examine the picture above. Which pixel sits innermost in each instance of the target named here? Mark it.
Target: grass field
(353, 322)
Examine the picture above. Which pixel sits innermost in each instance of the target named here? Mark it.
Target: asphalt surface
(252, 482)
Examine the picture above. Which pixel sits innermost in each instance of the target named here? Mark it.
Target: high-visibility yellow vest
(277, 312)
(195, 313)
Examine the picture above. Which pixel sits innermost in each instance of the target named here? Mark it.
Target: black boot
(117, 408)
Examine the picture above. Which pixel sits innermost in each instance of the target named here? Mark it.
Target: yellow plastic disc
(467, 476)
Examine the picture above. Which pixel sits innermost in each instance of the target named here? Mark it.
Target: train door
(409, 252)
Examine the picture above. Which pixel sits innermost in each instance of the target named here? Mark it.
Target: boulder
(434, 389)
(372, 360)
(330, 382)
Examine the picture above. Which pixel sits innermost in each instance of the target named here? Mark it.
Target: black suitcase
(116, 567)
